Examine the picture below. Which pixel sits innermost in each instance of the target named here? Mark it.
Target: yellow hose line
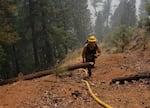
(84, 70)
(96, 98)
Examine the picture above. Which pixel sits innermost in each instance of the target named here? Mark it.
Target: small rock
(76, 94)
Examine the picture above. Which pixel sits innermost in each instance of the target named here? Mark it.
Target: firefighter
(90, 51)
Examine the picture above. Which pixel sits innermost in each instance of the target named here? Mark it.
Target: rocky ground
(70, 92)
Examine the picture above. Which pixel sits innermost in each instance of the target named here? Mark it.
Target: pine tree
(8, 38)
(125, 14)
(102, 21)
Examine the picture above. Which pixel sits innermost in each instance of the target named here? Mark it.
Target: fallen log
(8, 81)
(77, 66)
(136, 77)
(45, 73)
(38, 74)
(26, 77)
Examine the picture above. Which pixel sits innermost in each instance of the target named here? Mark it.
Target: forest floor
(54, 92)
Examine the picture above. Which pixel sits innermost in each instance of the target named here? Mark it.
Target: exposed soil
(70, 92)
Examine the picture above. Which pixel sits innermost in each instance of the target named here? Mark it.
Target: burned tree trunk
(47, 72)
(77, 66)
(121, 80)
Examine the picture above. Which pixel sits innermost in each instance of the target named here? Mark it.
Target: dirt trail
(70, 92)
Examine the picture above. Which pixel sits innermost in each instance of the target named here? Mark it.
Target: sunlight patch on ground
(72, 58)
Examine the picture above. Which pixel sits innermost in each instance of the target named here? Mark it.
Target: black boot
(89, 70)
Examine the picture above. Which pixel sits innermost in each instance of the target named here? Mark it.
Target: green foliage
(8, 38)
(102, 21)
(141, 23)
(147, 7)
(145, 24)
(81, 20)
(8, 34)
(62, 41)
(48, 29)
(125, 14)
(120, 38)
(2, 57)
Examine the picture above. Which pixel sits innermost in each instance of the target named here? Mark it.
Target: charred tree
(130, 78)
(47, 72)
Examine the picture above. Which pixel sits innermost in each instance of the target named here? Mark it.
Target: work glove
(96, 55)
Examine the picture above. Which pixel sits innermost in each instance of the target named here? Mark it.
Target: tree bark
(44, 73)
(16, 60)
(121, 80)
(33, 33)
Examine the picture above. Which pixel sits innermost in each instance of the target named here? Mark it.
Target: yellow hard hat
(92, 39)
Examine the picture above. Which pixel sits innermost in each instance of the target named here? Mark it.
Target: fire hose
(88, 85)
(96, 98)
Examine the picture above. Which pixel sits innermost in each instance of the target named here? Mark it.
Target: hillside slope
(54, 92)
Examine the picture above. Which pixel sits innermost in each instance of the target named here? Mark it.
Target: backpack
(89, 51)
